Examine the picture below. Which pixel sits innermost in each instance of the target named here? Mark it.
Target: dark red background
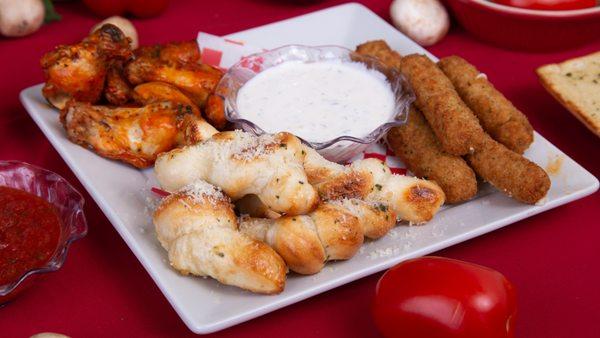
(102, 291)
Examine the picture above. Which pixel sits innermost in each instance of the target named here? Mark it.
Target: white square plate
(122, 192)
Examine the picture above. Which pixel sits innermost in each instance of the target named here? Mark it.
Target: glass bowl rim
(60, 255)
(371, 137)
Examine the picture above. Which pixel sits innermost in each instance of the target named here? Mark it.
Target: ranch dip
(317, 101)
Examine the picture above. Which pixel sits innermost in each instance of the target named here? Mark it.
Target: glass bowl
(68, 203)
(341, 148)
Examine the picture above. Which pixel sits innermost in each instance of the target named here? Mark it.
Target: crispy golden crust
(419, 149)
(451, 120)
(417, 146)
(510, 172)
(379, 49)
(497, 115)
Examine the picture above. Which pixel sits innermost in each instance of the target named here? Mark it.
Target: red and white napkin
(224, 53)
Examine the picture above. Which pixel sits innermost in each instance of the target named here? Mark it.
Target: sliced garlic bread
(575, 83)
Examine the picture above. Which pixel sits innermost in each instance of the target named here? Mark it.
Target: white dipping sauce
(317, 101)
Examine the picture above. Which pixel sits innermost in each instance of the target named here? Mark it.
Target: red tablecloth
(103, 291)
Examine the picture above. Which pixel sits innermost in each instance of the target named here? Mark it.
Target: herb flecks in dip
(318, 101)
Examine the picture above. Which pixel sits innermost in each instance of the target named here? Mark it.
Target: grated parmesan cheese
(382, 253)
(246, 146)
(201, 191)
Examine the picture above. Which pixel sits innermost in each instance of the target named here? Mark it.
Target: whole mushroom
(49, 335)
(424, 21)
(20, 17)
(124, 25)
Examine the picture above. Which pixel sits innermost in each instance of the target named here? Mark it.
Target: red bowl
(527, 29)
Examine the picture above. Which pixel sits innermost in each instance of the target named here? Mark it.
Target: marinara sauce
(29, 233)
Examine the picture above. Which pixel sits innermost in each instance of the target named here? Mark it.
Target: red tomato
(551, 5)
(139, 8)
(434, 297)
(146, 8)
(106, 7)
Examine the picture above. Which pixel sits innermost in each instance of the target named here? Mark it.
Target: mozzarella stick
(509, 172)
(451, 120)
(416, 144)
(418, 148)
(380, 50)
(497, 115)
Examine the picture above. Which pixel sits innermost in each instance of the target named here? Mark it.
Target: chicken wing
(135, 135)
(78, 71)
(196, 80)
(151, 92)
(117, 90)
(215, 111)
(174, 52)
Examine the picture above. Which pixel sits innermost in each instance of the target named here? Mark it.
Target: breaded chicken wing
(78, 71)
(135, 135)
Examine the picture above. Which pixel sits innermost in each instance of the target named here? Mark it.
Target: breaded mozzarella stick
(451, 120)
(509, 172)
(418, 148)
(497, 115)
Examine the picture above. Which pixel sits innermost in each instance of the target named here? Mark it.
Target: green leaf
(50, 14)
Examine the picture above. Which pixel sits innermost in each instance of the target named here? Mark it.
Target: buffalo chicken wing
(79, 71)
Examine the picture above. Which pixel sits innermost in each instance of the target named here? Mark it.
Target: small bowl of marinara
(41, 214)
